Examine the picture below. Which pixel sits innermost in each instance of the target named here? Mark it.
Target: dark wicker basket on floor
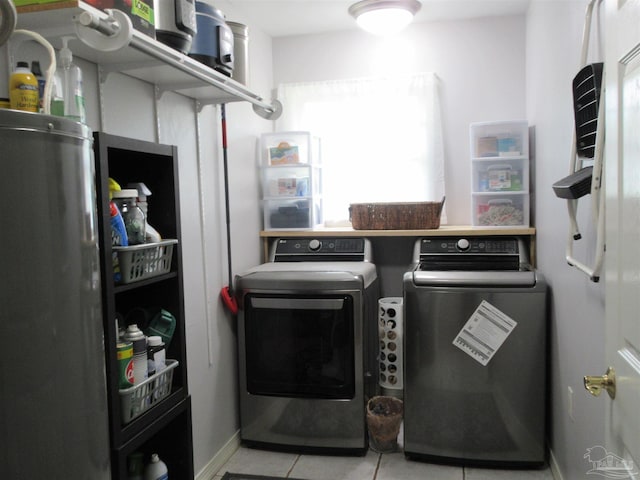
(396, 216)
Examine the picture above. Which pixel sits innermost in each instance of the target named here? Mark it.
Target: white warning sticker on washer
(484, 332)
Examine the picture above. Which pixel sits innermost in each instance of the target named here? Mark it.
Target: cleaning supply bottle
(156, 353)
(162, 325)
(71, 77)
(134, 335)
(134, 220)
(151, 233)
(37, 72)
(118, 229)
(156, 469)
(118, 238)
(23, 89)
(57, 95)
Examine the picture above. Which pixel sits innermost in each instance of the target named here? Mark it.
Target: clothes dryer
(307, 342)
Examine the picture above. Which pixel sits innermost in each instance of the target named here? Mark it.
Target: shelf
(174, 422)
(440, 232)
(142, 58)
(165, 428)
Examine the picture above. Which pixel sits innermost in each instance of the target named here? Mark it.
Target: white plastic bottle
(156, 353)
(71, 77)
(156, 469)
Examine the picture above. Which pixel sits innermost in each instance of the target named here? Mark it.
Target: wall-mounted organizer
(291, 180)
(390, 328)
(499, 174)
(111, 41)
(153, 416)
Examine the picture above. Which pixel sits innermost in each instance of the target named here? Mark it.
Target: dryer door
(300, 345)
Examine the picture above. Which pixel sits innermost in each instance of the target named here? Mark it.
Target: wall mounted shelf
(140, 56)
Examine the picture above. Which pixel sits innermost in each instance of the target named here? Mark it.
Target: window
(381, 138)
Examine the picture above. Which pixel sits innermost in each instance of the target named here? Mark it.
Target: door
(620, 456)
(300, 345)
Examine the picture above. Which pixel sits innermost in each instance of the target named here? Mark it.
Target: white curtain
(381, 138)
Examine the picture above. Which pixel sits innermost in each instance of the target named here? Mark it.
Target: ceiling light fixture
(383, 17)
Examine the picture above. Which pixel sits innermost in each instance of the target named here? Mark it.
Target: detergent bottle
(23, 89)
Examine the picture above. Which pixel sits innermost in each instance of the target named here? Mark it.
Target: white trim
(220, 458)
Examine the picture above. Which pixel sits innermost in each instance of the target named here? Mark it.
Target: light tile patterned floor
(372, 466)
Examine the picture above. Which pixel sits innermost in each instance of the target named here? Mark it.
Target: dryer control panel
(321, 249)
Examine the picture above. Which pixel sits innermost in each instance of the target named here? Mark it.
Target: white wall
(500, 69)
(554, 32)
(480, 64)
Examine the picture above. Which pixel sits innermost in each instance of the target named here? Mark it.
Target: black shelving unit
(165, 428)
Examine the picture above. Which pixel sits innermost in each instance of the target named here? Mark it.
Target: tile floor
(372, 466)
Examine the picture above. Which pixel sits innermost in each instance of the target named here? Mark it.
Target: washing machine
(307, 344)
(476, 360)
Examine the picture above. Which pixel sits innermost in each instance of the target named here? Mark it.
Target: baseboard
(554, 467)
(220, 458)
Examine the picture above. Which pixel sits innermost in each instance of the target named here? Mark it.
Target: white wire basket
(138, 262)
(138, 399)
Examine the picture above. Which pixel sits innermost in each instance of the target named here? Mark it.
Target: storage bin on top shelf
(291, 180)
(289, 148)
(500, 173)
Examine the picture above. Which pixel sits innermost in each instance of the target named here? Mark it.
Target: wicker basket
(396, 216)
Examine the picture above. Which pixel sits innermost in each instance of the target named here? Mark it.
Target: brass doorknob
(594, 385)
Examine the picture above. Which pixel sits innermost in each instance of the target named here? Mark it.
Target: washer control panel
(470, 245)
(470, 253)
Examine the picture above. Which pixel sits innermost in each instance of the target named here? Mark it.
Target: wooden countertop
(444, 230)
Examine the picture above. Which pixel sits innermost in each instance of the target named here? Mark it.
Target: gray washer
(484, 404)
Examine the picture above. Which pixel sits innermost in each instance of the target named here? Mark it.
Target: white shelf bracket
(176, 87)
(272, 113)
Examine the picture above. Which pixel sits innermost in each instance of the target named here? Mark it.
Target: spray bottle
(71, 78)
